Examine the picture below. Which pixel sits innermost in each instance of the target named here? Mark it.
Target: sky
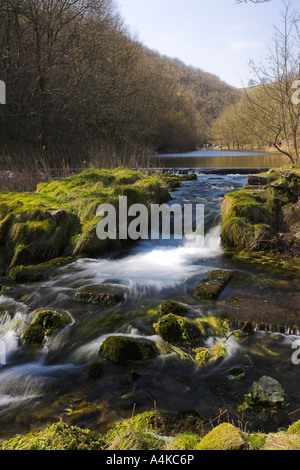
(217, 36)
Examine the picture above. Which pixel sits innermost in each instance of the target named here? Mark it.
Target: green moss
(237, 233)
(245, 204)
(294, 428)
(223, 437)
(59, 436)
(137, 433)
(173, 307)
(208, 356)
(172, 182)
(124, 349)
(177, 330)
(256, 441)
(44, 323)
(218, 326)
(34, 334)
(183, 442)
(36, 273)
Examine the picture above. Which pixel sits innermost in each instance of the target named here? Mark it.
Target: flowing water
(39, 385)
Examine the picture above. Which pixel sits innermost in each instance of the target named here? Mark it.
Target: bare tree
(271, 103)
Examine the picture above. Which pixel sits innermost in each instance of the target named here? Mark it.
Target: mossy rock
(211, 288)
(223, 437)
(266, 392)
(59, 436)
(170, 306)
(172, 182)
(26, 274)
(177, 330)
(102, 298)
(44, 323)
(124, 349)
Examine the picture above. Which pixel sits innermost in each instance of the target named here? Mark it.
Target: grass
(59, 219)
(154, 430)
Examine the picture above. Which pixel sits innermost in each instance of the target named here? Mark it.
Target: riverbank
(156, 431)
(263, 219)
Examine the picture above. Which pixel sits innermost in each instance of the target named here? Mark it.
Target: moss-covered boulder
(58, 436)
(211, 287)
(60, 218)
(266, 392)
(125, 349)
(170, 306)
(223, 437)
(177, 330)
(43, 325)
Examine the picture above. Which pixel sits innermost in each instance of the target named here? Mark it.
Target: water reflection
(218, 159)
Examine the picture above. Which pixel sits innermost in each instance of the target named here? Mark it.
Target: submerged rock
(103, 298)
(211, 288)
(236, 373)
(95, 369)
(124, 349)
(207, 356)
(250, 314)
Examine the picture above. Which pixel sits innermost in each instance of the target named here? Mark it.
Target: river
(37, 387)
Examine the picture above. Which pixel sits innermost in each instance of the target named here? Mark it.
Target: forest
(79, 85)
